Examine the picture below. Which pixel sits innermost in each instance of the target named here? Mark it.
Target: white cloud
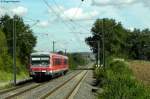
(43, 24)
(116, 3)
(2, 11)
(146, 3)
(77, 13)
(71, 13)
(20, 11)
(120, 3)
(57, 9)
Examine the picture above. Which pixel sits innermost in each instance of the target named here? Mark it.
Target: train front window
(40, 60)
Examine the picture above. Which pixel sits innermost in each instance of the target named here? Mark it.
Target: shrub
(99, 74)
(120, 83)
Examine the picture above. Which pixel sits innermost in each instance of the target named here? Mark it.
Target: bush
(120, 83)
(99, 74)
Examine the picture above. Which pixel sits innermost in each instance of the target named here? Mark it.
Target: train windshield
(40, 60)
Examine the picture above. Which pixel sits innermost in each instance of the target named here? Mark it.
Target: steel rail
(63, 84)
(31, 88)
(58, 87)
(71, 92)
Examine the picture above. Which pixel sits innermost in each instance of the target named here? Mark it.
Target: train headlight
(44, 71)
(32, 73)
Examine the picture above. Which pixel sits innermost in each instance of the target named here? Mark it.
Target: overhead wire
(49, 6)
(76, 10)
(77, 37)
(71, 19)
(58, 16)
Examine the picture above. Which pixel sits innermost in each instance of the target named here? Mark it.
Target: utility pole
(14, 41)
(98, 42)
(103, 40)
(53, 46)
(14, 50)
(65, 51)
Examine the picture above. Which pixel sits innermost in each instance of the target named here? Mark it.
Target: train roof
(48, 54)
(40, 53)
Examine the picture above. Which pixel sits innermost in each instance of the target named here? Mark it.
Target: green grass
(6, 64)
(118, 82)
(6, 71)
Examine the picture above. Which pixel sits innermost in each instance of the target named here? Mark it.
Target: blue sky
(68, 22)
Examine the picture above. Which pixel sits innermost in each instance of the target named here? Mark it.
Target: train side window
(65, 61)
(57, 62)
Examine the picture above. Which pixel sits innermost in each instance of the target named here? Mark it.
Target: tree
(3, 43)
(115, 37)
(139, 44)
(119, 41)
(25, 38)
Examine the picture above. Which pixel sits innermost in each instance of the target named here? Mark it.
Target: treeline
(76, 59)
(119, 41)
(24, 37)
(24, 46)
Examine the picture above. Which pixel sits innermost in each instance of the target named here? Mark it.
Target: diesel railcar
(47, 65)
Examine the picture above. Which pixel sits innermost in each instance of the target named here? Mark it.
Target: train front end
(40, 65)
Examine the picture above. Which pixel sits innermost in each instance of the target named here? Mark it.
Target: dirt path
(141, 70)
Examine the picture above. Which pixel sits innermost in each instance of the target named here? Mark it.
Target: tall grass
(118, 82)
(6, 63)
(6, 69)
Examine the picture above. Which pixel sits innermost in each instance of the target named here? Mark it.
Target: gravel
(85, 90)
(45, 88)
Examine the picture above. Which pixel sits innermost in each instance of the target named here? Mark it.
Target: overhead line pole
(53, 46)
(98, 53)
(98, 61)
(103, 40)
(14, 50)
(65, 51)
(14, 42)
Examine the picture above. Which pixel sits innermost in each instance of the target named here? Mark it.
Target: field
(141, 70)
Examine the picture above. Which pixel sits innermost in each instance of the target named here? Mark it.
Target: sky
(68, 22)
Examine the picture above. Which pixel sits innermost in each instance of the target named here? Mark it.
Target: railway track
(18, 91)
(13, 88)
(75, 88)
(54, 94)
(7, 94)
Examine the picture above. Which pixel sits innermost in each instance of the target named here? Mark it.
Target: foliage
(120, 83)
(6, 67)
(76, 59)
(139, 44)
(114, 35)
(25, 38)
(25, 43)
(119, 42)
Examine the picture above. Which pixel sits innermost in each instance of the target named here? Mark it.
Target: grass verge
(118, 82)
(141, 70)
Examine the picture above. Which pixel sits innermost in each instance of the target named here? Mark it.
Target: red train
(47, 65)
